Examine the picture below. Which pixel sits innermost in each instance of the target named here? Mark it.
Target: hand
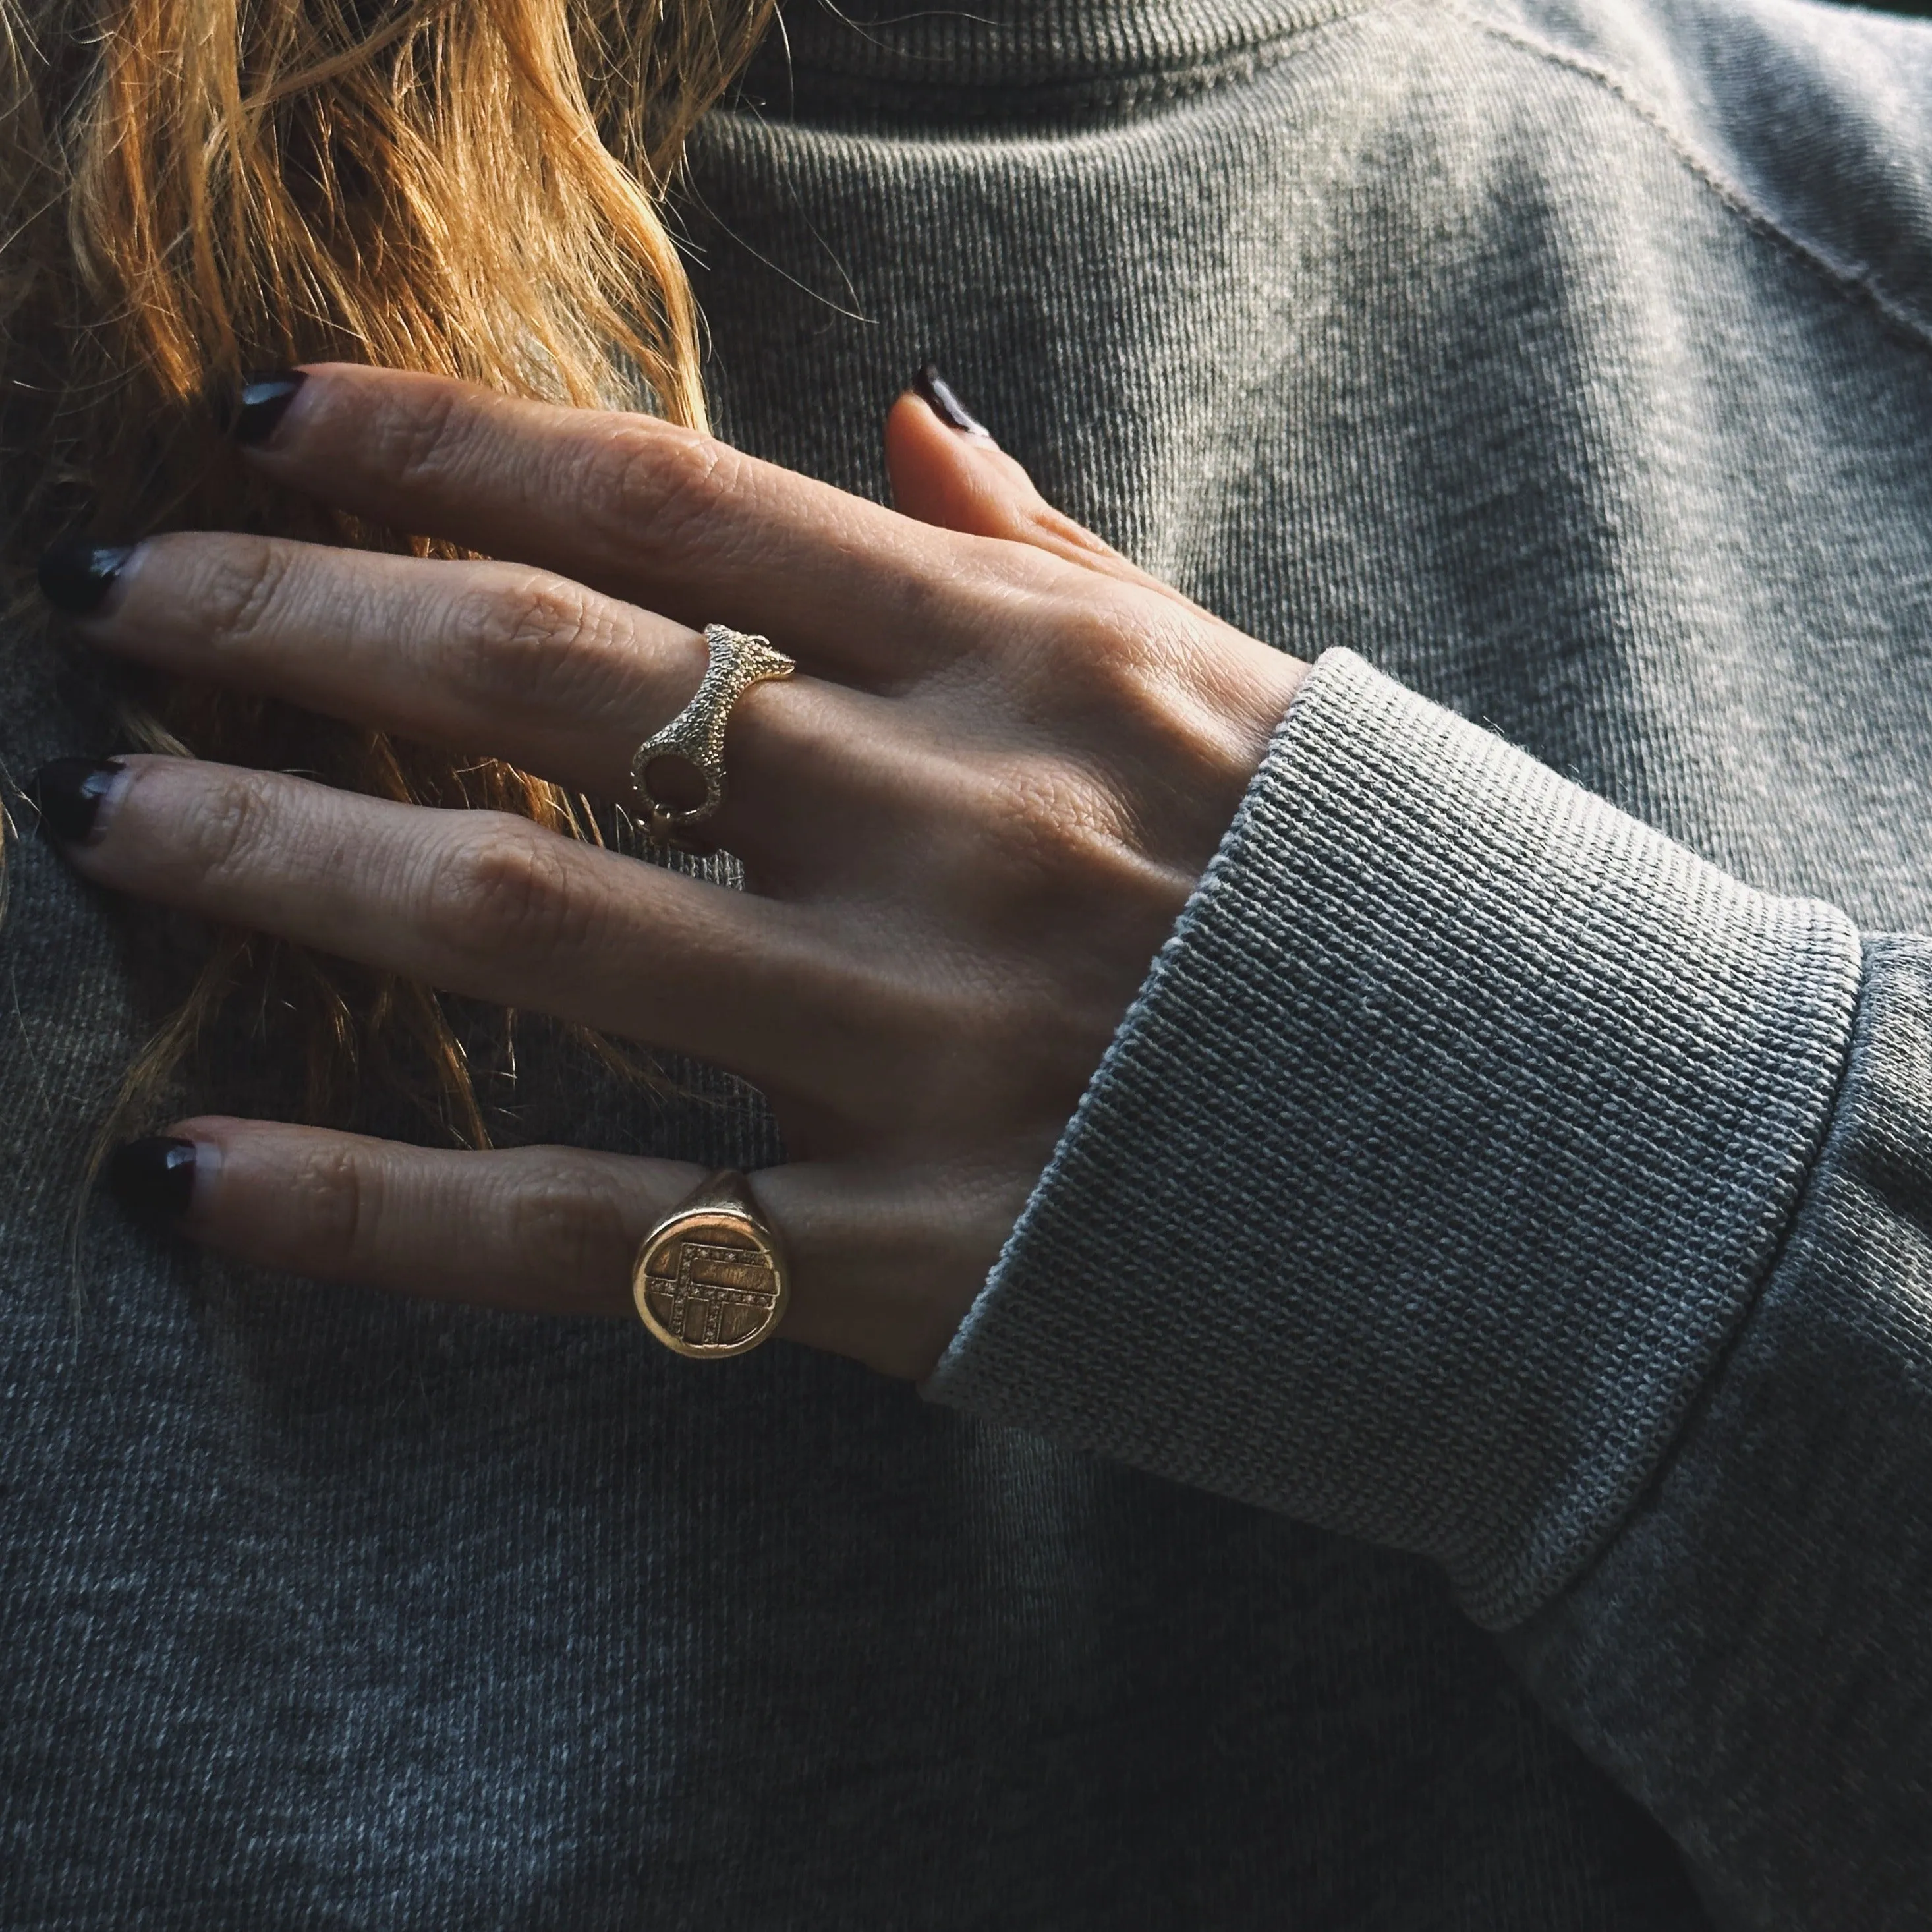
(967, 825)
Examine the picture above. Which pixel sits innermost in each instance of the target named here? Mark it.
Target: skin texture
(967, 824)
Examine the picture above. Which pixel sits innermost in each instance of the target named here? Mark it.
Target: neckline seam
(1151, 82)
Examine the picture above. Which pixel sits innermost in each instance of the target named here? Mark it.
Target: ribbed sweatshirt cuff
(1449, 1138)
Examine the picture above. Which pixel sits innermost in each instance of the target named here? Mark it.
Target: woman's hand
(967, 825)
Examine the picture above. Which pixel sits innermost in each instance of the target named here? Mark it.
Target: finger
(486, 905)
(548, 1229)
(496, 659)
(878, 1267)
(946, 470)
(492, 658)
(628, 505)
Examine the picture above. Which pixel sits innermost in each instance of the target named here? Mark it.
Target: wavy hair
(192, 189)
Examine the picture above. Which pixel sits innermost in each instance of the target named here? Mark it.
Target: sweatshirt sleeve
(1480, 1174)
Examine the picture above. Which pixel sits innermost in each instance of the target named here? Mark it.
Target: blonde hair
(196, 189)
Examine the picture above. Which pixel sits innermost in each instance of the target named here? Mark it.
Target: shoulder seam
(1846, 279)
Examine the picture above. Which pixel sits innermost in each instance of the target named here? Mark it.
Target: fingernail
(76, 577)
(263, 401)
(152, 1179)
(937, 393)
(68, 794)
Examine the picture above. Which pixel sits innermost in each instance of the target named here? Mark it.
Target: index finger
(630, 506)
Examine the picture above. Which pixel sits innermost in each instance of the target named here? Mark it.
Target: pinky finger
(884, 1261)
(549, 1229)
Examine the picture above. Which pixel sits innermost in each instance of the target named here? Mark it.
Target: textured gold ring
(693, 743)
(710, 1279)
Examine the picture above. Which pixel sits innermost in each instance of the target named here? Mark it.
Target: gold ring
(709, 1280)
(693, 742)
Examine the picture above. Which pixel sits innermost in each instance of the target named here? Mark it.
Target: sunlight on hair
(196, 189)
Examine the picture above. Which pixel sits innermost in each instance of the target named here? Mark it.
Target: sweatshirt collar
(1026, 46)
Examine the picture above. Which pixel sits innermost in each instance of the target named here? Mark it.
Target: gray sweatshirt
(1449, 1442)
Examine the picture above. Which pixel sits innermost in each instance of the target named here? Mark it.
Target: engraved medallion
(709, 1280)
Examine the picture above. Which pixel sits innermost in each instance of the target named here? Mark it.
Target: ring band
(710, 1278)
(694, 739)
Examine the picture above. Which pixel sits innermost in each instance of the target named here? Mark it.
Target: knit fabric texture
(1508, 1200)
(1426, 1280)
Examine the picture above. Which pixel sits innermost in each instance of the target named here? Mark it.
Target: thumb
(946, 468)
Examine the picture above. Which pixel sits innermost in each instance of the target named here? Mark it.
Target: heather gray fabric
(1556, 1202)
(1491, 999)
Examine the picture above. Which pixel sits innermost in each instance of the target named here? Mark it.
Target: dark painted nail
(153, 1179)
(68, 793)
(937, 391)
(76, 577)
(263, 402)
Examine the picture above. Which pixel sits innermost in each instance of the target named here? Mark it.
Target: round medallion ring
(710, 1279)
(679, 774)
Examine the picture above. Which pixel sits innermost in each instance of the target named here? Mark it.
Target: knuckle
(226, 823)
(241, 588)
(562, 1231)
(340, 1197)
(543, 641)
(1054, 826)
(664, 486)
(508, 888)
(1098, 646)
(934, 612)
(412, 437)
(1110, 661)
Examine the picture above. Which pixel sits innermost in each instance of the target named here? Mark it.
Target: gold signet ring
(679, 774)
(710, 1278)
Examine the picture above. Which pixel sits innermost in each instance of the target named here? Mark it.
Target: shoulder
(1814, 120)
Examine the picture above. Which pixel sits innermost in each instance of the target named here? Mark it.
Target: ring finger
(489, 906)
